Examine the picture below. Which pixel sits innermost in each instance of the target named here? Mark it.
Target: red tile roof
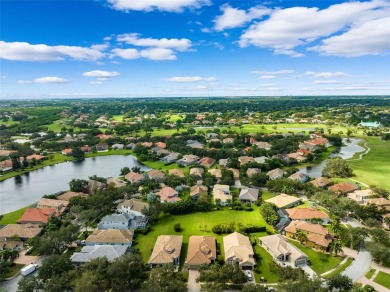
(37, 215)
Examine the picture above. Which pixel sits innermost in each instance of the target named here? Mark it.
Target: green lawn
(199, 223)
(370, 273)
(12, 270)
(174, 118)
(57, 125)
(374, 168)
(118, 118)
(321, 262)
(9, 122)
(266, 264)
(161, 166)
(11, 218)
(265, 194)
(383, 279)
(340, 268)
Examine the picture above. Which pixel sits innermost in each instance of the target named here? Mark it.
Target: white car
(249, 275)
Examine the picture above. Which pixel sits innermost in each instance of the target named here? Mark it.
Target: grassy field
(57, 125)
(201, 223)
(370, 273)
(174, 118)
(11, 218)
(161, 166)
(383, 279)
(321, 262)
(374, 168)
(340, 268)
(118, 118)
(266, 266)
(9, 122)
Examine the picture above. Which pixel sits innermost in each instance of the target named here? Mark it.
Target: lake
(346, 152)
(27, 189)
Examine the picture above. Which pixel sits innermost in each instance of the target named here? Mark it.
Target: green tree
(77, 185)
(337, 167)
(336, 247)
(340, 283)
(78, 154)
(165, 279)
(125, 170)
(268, 211)
(301, 236)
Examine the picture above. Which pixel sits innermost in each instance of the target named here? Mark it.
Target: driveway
(308, 270)
(359, 266)
(24, 259)
(192, 285)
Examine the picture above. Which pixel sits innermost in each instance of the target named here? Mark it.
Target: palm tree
(336, 247)
(13, 255)
(301, 236)
(335, 225)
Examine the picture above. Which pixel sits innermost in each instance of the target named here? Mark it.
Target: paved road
(359, 266)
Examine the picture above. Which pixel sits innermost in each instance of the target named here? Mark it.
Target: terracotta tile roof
(206, 161)
(166, 249)
(294, 226)
(67, 151)
(176, 172)
(306, 213)
(344, 187)
(168, 194)
(37, 215)
(377, 202)
(155, 174)
(68, 195)
(20, 230)
(36, 156)
(161, 144)
(201, 250)
(134, 177)
(111, 236)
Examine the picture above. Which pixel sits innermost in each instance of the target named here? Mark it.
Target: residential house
(117, 147)
(135, 177)
(147, 144)
(212, 135)
(284, 201)
(249, 195)
(101, 147)
(59, 205)
(317, 236)
(68, 195)
(245, 159)
(133, 206)
(223, 162)
(170, 158)
(222, 193)
(360, 196)
(307, 145)
(116, 182)
(166, 250)
(252, 171)
(188, 160)
(228, 141)
(321, 182)
(202, 250)
(10, 244)
(176, 172)
(299, 158)
(283, 251)
(207, 162)
(195, 144)
(263, 145)
(196, 191)
(236, 173)
(89, 253)
(161, 144)
(67, 151)
(122, 237)
(37, 157)
(120, 221)
(197, 171)
(379, 202)
(375, 125)
(299, 176)
(238, 250)
(308, 215)
(156, 175)
(168, 195)
(37, 216)
(22, 231)
(95, 185)
(343, 188)
(304, 152)
(217, 173)
(86, 149)
(261, 159)
(275, 173)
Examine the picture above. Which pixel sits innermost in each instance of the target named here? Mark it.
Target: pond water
(19, 192)
(346, 152)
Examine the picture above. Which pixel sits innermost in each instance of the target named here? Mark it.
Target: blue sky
(131, 48)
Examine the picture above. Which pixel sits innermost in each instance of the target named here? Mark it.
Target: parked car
(249, 275)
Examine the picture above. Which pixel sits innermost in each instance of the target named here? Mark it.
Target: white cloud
(205, 30)
(201, 87)
(326, 74)
(23, 51)
(370, 38)
(162, 5)
(100, 74)
(158, 54)
(24, 81)
(50, 79)
(280, 72)
(327, 82)
(234, 17)
(127, 54)
(175, 44)
(267, 77)
(289, 28)
(190, 79)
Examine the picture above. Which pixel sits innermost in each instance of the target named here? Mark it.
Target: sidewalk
(377, 287)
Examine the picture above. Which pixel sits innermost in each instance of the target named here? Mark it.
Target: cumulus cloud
(50, 79)
(158, 54)
(190, 79)
(134, 39)
(234, 17)
(161, 5)
(289, 28)
(101, 75)
(23, 51)
(326, 74)
(370, 38)
(24, 82)
(201, 87)
(127, 54)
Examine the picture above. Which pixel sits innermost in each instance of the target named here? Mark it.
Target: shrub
(223, 228)
(254, 229)
(177, 227)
